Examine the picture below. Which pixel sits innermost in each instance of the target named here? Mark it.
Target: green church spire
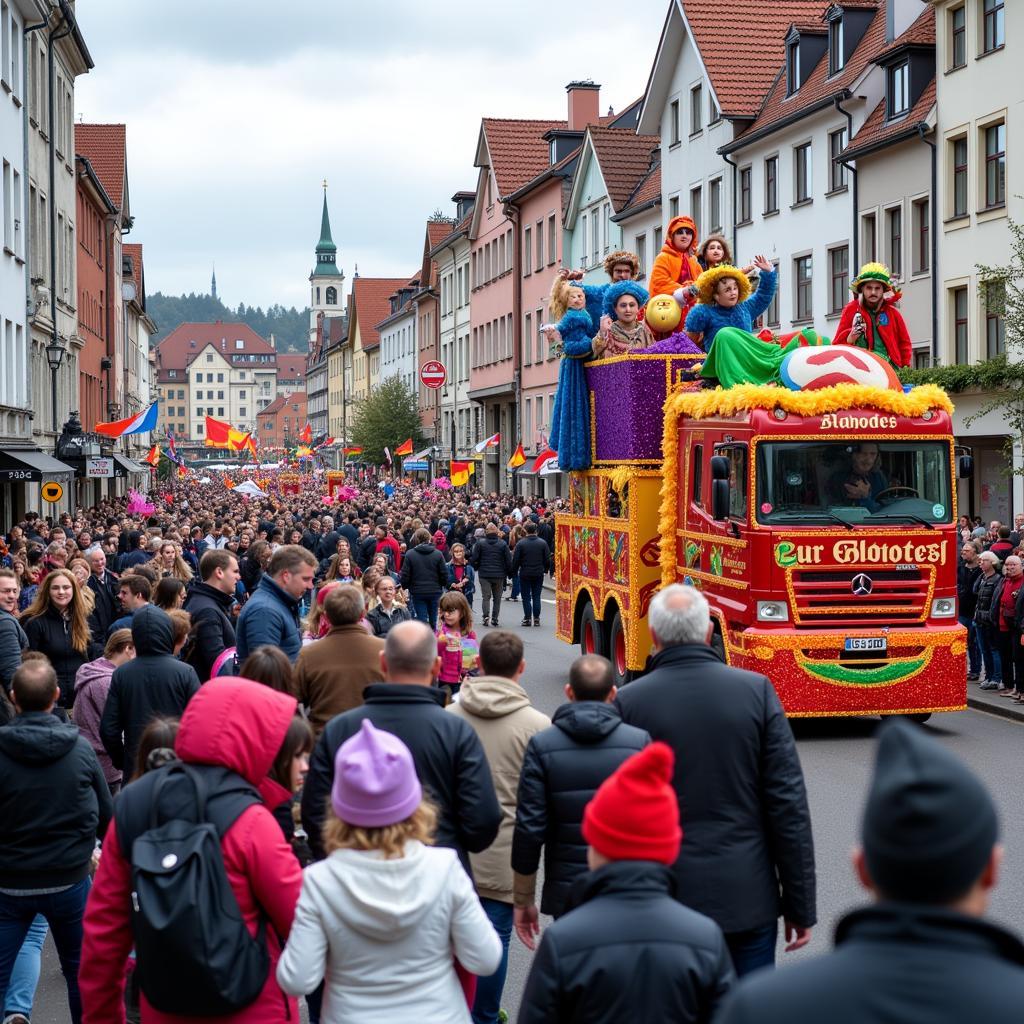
(326, 250)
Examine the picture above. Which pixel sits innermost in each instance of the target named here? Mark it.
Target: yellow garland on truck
(744, 397)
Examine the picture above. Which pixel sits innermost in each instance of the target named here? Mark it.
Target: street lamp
(54, 356)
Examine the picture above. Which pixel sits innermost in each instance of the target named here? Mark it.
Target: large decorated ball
(808, 369)
(662, 314)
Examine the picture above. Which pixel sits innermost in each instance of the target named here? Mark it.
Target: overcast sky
(237, 109)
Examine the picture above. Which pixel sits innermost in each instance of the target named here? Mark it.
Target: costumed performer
(675, 270)
(619, 266)
(714, 251)
(570, 417)
(622, 330)
(871, 320)
(723, 320)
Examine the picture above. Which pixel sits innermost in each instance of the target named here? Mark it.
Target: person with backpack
(209, 603)
(214, 955)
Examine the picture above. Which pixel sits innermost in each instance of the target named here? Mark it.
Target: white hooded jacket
(383, 934)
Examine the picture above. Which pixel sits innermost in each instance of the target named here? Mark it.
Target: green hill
(290, 327)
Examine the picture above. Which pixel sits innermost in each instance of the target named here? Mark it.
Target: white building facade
(457, 418)
(397, 350)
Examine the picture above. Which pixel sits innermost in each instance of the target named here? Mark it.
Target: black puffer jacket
(893, 962)
(450, 763)
(563, 766)
(628, 952)
(966, 579)
(987, 591)
(54, 803)
(748, 853)
(424, 573)
(154, 683)
(212, 628)
(492, 558)
(531, 558)
(50, 633)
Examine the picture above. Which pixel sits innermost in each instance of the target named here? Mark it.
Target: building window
(657, 239)
(993, 297)
(673, 120)
(839, 277)
(552, 239)
(958, 38)
(994, 31)
(695, 204)
(696, 109)
(960, 189)
(894, 239)
(771, 315)
(673, 207)
(792, 67)
(837, 170)
(922, 236)
(899, 89)
(332, 296)
(243, 411)
(836, 57)
(714, 114)
(746, 206)
(771, 185)
(640, 248)
(583, 239)
(527, 251)
(802, 173)
(802, 268)
(220, 378)
(995, 165)
(715, 205)
(596, 225)
(960, 325)
(528, 340)
(539, 240)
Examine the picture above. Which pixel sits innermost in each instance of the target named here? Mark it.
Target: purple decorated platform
(626, 398)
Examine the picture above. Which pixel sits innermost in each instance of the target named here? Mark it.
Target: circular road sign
(51, 491)
(433, 374)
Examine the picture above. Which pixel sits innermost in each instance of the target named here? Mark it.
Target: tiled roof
(103, 145)
(459, 229)
(291, 365)
(741, 44)
(370, 303)
(438, 230)
(647, 191)
(186, 341)
(132, 251)
(275, 406)
(624, 158)
(817, 87)
(921, 33)
(876, 130)
(517, 149)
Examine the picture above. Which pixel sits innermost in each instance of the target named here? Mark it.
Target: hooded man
(921, 952)
(871, 321)
(675, 268)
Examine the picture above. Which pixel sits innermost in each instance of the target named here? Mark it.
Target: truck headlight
(944, 608)
(772, 611)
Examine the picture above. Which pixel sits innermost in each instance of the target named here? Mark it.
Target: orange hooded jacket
(672, 269)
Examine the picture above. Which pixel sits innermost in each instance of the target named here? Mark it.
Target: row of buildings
(821, 134)
(74, 333)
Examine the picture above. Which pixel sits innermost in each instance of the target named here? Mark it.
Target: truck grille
(826, 596)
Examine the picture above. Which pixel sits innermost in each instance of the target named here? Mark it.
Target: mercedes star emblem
(861, 585)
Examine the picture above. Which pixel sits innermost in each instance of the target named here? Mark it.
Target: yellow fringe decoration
(620, 477)
(744, 397)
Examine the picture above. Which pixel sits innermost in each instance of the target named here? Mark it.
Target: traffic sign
(51, 491)
(433, 374)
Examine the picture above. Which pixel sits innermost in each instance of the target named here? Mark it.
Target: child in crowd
(456, 642)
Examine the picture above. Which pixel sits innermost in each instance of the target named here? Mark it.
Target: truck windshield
(858, 482)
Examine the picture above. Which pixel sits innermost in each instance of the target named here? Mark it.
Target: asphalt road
(836, 756)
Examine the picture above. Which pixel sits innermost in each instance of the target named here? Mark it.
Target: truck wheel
(617, 650)
(920, 719)
(590, 632)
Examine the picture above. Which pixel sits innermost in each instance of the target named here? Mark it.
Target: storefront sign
(99, 467)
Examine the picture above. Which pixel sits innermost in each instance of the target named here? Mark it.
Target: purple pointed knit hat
(375, 781)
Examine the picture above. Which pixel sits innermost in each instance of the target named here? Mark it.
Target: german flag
(518, 457)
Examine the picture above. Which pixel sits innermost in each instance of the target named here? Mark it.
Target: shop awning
(130, 465)
(31, 465)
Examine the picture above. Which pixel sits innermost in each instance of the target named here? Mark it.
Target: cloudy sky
(237, 109)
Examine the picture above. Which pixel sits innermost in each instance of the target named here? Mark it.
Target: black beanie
(929, 824)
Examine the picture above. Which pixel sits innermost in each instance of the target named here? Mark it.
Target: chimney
(584, 104)
(273, 343)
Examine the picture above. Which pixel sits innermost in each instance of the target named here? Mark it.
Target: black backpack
(194, 954)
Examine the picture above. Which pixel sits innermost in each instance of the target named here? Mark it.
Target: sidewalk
(990, 701)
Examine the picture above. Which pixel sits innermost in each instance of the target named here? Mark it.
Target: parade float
(833, 577)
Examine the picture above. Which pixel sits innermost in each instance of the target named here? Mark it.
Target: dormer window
(792, 66)
(836, 52)
(899, 89)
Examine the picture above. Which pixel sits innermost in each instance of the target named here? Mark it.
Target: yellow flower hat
(709, 279)
(871, 272)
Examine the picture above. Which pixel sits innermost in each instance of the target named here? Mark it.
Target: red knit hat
(635, 814)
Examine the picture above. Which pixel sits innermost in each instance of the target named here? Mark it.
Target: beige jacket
(501, 715)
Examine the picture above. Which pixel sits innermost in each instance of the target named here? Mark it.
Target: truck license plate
(866, 643)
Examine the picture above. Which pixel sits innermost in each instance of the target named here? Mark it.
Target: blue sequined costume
(570, 418)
